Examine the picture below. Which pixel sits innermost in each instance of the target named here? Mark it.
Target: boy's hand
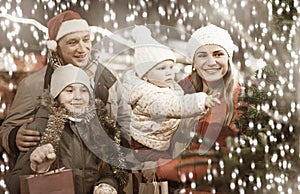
(42, 157)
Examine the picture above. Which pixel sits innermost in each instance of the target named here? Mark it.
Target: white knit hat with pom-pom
(210, 34)
(148, 52)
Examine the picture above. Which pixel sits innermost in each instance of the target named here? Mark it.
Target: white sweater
(156, 111)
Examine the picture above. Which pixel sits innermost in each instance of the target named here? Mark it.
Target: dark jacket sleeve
(108, 177)
(22, 166)
(143, 153)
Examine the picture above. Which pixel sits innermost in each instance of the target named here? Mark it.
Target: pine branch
(55, 127)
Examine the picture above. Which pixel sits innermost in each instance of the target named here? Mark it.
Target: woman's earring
(193, 69)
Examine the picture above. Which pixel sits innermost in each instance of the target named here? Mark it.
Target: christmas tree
(264, 156)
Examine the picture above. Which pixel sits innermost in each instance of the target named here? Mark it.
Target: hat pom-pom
(51, 45)
(141, 34)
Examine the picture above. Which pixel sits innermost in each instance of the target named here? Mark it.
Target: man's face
(74, 48)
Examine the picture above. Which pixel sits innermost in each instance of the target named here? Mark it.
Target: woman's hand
(104, 188)
(42, 158)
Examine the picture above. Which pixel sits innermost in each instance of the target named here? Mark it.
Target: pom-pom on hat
(63, 24)
(66, 75)
(148, 52)
(210, 34)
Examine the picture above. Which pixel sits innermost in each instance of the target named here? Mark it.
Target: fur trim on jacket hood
(96, 107)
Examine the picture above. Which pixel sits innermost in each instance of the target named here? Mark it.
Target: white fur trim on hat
(66, 75)
(70, 26)
(51, 45)
(210, 34)
(148, 52)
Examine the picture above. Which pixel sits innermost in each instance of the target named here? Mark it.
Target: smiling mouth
(76, 105)
(212, 69)
(80, 57)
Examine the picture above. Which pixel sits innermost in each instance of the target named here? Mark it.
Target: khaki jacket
(24, 106)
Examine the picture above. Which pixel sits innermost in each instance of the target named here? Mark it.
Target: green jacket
(72, 153)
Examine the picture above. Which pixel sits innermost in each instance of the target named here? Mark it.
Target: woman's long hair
(230, 84)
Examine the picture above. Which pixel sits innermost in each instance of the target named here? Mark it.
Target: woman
(67, 120)
(211, 49)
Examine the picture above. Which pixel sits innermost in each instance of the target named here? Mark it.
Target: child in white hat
(158, 102)
(66, 119)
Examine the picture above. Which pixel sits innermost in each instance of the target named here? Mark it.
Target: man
(69, 43)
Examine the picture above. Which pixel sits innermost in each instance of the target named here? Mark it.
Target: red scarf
(212, 125)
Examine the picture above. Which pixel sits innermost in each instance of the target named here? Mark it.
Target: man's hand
(27, 138)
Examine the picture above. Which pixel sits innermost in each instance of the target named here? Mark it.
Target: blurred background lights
(261, 39)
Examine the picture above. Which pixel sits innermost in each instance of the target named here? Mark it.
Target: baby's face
(162, 74)
(75, 97)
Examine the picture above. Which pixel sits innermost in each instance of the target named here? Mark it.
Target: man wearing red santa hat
(69, 43)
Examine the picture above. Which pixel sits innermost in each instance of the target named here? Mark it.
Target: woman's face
(211, 62)
(75, 97)
(74, 48)
(162, 74)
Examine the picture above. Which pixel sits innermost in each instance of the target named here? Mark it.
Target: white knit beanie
(210, 34)
(66, 75)
(148, 52)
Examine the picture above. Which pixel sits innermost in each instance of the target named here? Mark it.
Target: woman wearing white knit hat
(157, 101)
(211, 50)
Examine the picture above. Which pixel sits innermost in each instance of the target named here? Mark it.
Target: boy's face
(74, 48)
(75, 97)
(162, 74)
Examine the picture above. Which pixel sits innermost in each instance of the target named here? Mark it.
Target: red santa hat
(63, 24)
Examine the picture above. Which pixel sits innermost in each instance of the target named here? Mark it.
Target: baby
(158, 102)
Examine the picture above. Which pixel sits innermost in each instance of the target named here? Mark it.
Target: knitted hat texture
(210, 34)
(148, 52)
(66, 75)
